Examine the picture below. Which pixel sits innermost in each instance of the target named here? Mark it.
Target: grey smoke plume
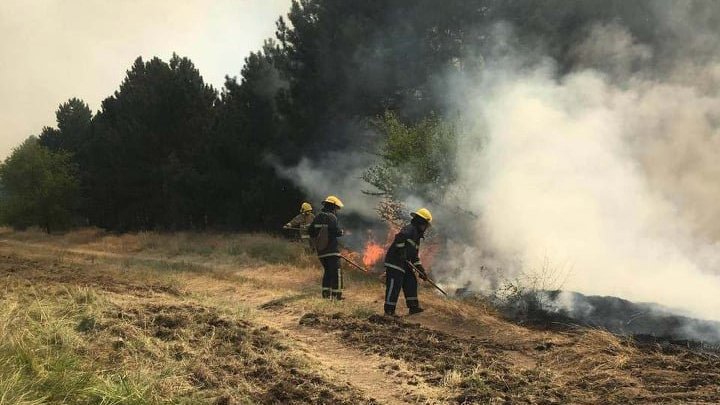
(610, 171)
(339, 174)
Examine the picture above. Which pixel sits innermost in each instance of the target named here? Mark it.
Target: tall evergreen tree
(247, 194)
(149, 147)
(73, 121)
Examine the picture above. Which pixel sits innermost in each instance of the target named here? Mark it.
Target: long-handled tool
(357, 266)
(425, 277)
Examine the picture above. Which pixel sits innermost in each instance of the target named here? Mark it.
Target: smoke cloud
(600, 177)
(608, 173)
(339, 174)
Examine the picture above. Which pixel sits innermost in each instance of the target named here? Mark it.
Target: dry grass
(89, 317)
(244, 249)
(43, 352)
(139, 336)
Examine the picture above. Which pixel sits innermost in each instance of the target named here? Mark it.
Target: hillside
(95, 318)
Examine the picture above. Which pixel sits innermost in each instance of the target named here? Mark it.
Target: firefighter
(302, 222)
(324, 231)
(400, 275)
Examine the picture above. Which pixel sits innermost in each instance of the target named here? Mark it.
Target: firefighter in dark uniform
(400, 275)
(324, 230)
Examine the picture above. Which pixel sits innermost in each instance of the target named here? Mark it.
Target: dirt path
(364, 371)
(457, 352)
(381, 378)
(373, 375)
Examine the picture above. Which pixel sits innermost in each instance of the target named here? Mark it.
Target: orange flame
(372, 254)
(373, 251)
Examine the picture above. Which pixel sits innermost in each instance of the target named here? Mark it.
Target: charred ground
(645, 322)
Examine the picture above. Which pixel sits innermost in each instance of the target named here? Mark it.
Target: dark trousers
(332, 282)
(396, 281)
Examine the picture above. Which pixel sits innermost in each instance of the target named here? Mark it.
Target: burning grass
(374, 252)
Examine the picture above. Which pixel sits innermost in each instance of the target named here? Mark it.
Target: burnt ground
(646, 322)
(236, 353)
(615, 373)
(486, 376)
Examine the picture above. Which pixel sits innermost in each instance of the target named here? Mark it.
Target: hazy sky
(52, 50)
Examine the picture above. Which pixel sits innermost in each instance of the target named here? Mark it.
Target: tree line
(167, 151)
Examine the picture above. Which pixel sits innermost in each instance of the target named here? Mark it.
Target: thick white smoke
(609, 171)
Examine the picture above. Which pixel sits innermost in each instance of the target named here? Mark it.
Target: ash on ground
(646, 322)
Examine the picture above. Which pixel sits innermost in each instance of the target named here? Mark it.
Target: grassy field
(95, 318)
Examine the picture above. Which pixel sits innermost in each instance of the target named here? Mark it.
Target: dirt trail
(369, 373)
(458, 352)
(386, 379)
(362, 370)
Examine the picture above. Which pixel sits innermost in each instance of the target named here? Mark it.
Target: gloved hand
(286, 226)
(340, 232)
(422, 273)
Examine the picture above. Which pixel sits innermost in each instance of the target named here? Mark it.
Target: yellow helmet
(423, 213)
(331, 199)
(305, 207)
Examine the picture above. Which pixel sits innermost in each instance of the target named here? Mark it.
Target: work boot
(390, 314)
(337, 296)
(326, 294)
(416, 310)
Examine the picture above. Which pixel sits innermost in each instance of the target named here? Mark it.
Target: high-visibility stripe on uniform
(321, 226)
(392, 266)
(328, 255)
(411, 298)
(400, 245)
(412, 242)
(387, 298)
(340, 280)
(417, 263)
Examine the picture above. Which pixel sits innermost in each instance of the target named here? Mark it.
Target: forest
(167, 151)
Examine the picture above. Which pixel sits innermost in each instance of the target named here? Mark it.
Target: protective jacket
(302, 221)
(405, 247)
(328, 220)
